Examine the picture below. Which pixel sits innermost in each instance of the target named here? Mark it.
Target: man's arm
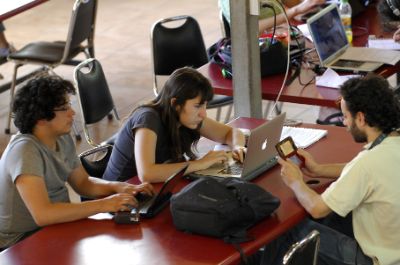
(314, 169)
(34, 193)
(308, 198)
(95, 187)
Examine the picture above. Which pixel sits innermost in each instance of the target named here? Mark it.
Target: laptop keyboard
(233, 169)
(348, 63)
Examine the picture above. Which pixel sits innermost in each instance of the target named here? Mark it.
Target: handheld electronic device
(287, 149)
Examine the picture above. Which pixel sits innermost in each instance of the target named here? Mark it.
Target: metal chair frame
(71, 47)
(93, 65)
(311, 240)
(218, 100)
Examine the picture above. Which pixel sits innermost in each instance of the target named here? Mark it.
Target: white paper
(306, 32)
(332, 79)
(388, 44)
(303, 137)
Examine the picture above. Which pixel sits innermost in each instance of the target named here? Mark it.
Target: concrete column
(246, 58)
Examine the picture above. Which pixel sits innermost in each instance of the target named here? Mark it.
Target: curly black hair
(373, 96)
(37, 99)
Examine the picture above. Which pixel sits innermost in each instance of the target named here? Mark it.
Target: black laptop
(149, 206)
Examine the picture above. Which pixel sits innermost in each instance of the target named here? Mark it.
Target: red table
(156, 241)
(365, 24)
(11, 8)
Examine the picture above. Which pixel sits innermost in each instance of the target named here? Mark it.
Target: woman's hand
(239, 153)
(211, 158)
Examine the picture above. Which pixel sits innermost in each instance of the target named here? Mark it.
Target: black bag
(273, 57)
(222, 208)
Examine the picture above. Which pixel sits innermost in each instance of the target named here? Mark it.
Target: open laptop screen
(328, 33)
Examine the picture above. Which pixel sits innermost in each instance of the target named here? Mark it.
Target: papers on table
(332, 79)
(303, 137)
(387, 44)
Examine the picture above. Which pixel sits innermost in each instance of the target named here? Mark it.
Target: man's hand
(135, 189)
(290, 172)
(310, 166)
(119, 202)
(307, 5)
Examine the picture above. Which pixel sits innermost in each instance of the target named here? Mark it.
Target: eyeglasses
(65, 107)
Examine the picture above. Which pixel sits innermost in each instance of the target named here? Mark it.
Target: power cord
(288, 52)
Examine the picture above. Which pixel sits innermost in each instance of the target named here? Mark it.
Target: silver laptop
(260, 156)
(332, 46)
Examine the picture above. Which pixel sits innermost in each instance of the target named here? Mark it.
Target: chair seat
(43, 52)
(219, 101)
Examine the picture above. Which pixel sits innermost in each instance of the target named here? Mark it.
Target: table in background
(365, 24)
(9, 8)
(156, 241)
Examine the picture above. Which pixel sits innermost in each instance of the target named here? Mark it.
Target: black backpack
(223, 208)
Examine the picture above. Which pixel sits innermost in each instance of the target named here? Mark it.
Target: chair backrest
(304, 252)
(176, 47)
(96, 166)
(225, 26)
(93, 93)
(81, 28)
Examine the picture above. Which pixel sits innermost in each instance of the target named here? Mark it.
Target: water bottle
(345, 15)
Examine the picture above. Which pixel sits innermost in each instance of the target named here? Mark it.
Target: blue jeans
(336, 248)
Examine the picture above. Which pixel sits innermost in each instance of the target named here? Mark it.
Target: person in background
(5, 47)
(390, 16)
(41, 158)
(266, 18)
(365, 190)
(158, 137)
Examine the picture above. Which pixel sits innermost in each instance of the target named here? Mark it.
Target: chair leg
(12, 89)
(228, 114)
(78, 136)
(218, 117)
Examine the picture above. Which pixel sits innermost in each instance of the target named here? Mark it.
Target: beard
(358, 135)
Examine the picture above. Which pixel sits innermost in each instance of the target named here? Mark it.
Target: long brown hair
(183, 84)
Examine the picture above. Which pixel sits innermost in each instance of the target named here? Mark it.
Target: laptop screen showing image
(328, 34)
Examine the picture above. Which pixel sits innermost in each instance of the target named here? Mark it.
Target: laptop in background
(332, 46)
(260, 156)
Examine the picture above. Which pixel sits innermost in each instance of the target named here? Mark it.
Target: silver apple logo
(264, 144)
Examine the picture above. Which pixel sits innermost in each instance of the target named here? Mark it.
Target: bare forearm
(330, 170)
(66, 212)
(95, 188)
(235, 138)
(310, 200)
(160, 172)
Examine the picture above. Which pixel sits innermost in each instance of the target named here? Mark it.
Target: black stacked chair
(180, 46)
(304, 252)
(80, 39)
(96, 103)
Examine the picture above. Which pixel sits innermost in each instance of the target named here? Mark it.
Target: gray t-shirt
(26, 155)
(122, 165)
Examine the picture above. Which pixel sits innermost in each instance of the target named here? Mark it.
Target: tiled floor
(122, 44)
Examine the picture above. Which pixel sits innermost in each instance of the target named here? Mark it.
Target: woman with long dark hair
(159, 137)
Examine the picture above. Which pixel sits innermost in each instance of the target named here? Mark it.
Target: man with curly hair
(361, 208)
(41, 158)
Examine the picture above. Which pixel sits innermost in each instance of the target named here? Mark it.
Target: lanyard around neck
(378, 140)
